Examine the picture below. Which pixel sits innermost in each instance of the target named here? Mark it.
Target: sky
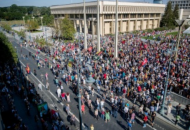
(5, 3)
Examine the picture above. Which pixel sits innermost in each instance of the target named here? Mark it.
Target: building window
(146, 15)
(125, 15)
(81, 16)
(77, 16)
(133, 16)
(71, 15)
(151, 15)
(140, 15)
(157, 15)
(107, 16)
(119, 16)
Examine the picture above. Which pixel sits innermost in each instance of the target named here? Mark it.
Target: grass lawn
(156, 36)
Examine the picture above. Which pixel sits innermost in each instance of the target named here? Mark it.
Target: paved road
(88, 118)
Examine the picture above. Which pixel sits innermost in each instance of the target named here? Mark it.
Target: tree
(21, 33)
(41, 41)
(6, 27)
(32, 25)
(168, 17)
(67, 29)
(176, 12)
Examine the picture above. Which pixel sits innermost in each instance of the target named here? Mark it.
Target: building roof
(92, 3)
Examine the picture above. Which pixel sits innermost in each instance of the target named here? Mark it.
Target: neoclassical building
(131, 16)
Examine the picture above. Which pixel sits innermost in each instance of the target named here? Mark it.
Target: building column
(128, 25)
(153, 24)
(121, 23)
(80, 26)
(148, 24)
(136, 27)
(158, 23)
(103, 25)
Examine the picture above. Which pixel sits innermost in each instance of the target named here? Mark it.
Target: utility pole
(85, 41)
(79, 95)
(116, 30)
(98, 26)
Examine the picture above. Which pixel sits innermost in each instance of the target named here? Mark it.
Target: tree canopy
(67, 29)
(32, 25)
(15, 12)
(168, 18)
(176, 12)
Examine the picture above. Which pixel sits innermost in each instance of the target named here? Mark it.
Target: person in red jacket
(145, 119)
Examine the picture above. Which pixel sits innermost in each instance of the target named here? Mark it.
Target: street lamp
(41, 23)
(180, 24)
(116, 30)
(79, 95)
(33, 18)
(98, 26)
(85, 41)
(167, 78)
(23, 21)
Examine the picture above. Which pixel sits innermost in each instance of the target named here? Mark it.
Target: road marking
(49, 91)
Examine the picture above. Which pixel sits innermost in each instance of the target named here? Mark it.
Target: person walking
(177, 119)
(96, 114)
(178, 109)
(40, 86)
(153, 116)
(83, 108)
(107, 115)
(129, 124)
(169, 108)
(145, 119)
(68, 97)
(67, 108)
(47, 85)
(58, 92)
(102, 113)
(92, 127)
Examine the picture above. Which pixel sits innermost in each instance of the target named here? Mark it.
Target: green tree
(41, 41)
(67, 29)
(176, 12)
(32, 25)
(168, 17)
(21, 33)
(6, 27)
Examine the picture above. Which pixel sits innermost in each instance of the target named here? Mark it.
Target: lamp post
(33, 18)
(85, 41)
(79, 95)
(166, 84)
(180, 24)
(23, 21)
(41, 23)
(116, 30)
(98, 26)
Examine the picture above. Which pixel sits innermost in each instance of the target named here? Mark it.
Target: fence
(181, 99)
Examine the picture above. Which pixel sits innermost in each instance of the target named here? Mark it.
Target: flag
(63, 48)
(144, 62)
(72, 47)
(90, 49)
(123, 42)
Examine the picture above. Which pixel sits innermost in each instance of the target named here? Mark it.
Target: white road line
(49, 91)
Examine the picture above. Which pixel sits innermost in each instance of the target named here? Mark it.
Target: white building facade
(131, 16)
(184, 8)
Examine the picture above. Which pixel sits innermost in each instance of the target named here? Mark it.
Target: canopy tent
(187, 31)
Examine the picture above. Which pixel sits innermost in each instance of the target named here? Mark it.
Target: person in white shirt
(126, 109)
(59, 92)
(40, 86)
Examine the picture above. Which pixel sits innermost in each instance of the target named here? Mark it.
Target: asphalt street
(88, 117)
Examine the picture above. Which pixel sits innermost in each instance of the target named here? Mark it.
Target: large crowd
(138, 74)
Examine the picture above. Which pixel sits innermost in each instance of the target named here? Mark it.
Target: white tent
(187, 31)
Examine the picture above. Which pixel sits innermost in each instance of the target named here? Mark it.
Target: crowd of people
(140, 74)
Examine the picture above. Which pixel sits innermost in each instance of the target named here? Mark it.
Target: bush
(8, 52)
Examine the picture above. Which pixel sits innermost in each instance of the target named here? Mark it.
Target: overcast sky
(4, 3)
